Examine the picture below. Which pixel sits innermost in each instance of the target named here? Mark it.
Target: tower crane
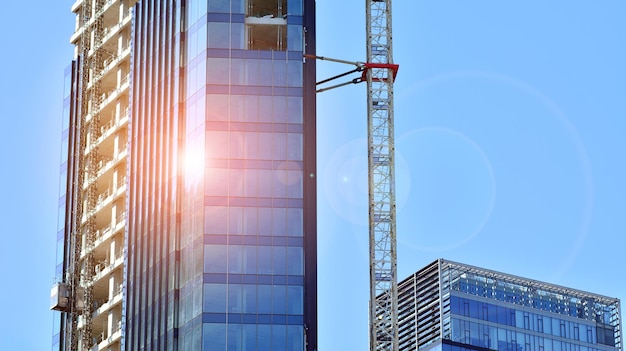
(379, 72)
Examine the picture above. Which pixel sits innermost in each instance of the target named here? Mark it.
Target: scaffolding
(91, 291)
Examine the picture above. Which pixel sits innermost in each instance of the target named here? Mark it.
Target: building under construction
(188, 197)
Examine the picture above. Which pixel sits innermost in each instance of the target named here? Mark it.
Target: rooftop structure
(453, 306)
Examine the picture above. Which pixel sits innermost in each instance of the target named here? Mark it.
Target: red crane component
(363, 67)
(393, 67)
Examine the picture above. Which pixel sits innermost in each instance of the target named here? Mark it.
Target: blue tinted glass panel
(219, 6)
(214, 337)
(295, 261)
(235, 259)
(219, 35)
(214, 298)
(264, 337)
(234, 337)
(235, 298)
(215, 259)
(279, 299)
(294, 38)
(265, 295)
(295, 298)
(295, 338)
(279, 337)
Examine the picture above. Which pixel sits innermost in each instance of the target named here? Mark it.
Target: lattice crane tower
(379, 72)
(380, 77)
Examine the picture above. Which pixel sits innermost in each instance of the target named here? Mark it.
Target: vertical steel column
(382, 199)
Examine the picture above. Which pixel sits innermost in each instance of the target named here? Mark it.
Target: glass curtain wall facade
(219, 94)
(455, 307)
(219, 242)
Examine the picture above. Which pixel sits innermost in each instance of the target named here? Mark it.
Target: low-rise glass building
(451, 306)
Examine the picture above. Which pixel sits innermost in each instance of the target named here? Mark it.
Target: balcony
(114, 300)
(110, 63)
(109, 96)
(116, 335)
(107, 130)
(104, 165)
(106, 266)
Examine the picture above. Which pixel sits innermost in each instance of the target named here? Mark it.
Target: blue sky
(510, 127)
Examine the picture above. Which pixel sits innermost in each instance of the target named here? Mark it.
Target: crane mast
(380, 77)
(379, 72)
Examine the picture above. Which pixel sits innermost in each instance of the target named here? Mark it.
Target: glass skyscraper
(188, 198)
(451, 306)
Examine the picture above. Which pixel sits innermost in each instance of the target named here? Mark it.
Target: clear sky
(510, 124)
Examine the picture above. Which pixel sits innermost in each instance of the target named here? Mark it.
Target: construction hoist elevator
(379, 72)
(74, 295)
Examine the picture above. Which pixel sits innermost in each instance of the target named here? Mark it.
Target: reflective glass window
(265, 221)
(236, 144)
(249, 299)
(235, 298)
(64, 150)
(264, 259)
(66, 117)
(214, 222)
(214, 181)
(214, 336)
(235, 184)
(294, 222)
(61, 217)
(251, 108)
(279, 221)
(214, 300)
(294, 7)
(236, 107)
(265, 296)
(235, 259)
(295, 300)
(251, 182)
(279, 337)
(60, 251)
(280, 73)
(279, 260)
(294, 109)
(217, 107)
(294, 70)
(279, 299)
(234, 337)
(251, 145)
(219, 6)
(265, 72)
(215, 259)
(63, 182)
(264, 337)
(250, 259)
(294, 146)
(265, 183)
(252, 72)
(250, 220)
(237, 35)
(279, 146)
(295, 338)
(294, 38)
(218, 70)
(265, 109)
(295, 260)
(265, 153)
(219, 35)
(280, 109)
(237, 71)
